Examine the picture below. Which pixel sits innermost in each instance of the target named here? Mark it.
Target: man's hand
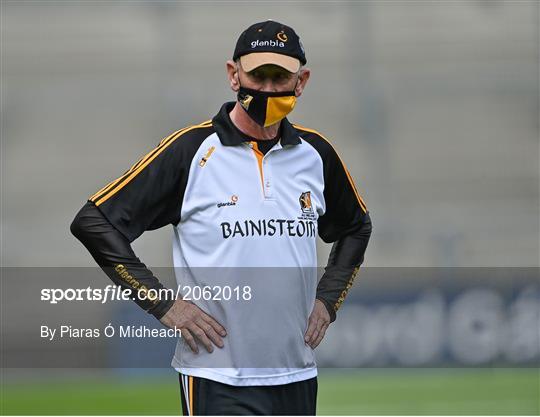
(194, 323)
(318, 322)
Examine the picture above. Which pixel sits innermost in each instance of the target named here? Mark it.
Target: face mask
(266, 108)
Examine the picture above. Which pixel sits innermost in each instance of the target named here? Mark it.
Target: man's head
(267, 68)
(270, 42)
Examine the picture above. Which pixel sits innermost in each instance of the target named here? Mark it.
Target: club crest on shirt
(306, 206)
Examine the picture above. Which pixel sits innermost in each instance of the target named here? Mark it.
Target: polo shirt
(244, 226)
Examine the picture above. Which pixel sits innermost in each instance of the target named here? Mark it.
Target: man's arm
(147, 197)
(345, 258)
(347, 225)
(113, 253)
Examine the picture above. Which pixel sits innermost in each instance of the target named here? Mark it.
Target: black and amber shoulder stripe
(356, 193)
(116, 185)
(133, 168)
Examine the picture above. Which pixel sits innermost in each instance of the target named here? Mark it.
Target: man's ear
(232, 75)
(303, 78)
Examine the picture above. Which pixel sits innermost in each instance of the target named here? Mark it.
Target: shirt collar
(230, 135)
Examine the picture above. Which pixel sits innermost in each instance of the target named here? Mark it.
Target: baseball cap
(269, 42)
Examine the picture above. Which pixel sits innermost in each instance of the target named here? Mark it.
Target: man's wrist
(329, 308)
(161, 308)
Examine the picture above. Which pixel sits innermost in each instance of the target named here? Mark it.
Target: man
(247, 193)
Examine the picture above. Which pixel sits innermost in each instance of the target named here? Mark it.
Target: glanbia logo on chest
(231, 202)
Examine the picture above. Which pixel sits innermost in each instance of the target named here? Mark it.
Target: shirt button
(267, 184)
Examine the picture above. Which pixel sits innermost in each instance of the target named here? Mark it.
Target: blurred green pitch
(342, 392)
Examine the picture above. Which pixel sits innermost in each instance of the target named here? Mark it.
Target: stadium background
(434, 108)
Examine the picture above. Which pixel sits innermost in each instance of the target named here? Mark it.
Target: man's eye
(257, 75)
(279, 77)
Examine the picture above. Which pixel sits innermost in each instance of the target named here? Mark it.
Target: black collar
(230, 135)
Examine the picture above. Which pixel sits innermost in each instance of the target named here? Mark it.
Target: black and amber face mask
(266, 108)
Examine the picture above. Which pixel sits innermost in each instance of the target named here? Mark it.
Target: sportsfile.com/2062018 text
(117, 293)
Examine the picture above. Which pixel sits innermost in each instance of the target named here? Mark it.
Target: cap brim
(256, 59)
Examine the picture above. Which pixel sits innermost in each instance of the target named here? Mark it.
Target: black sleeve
(147, 196)
(345, 258)
(113, 253)
(346, 223)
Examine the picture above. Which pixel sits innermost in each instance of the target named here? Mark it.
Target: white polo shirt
(245, 228)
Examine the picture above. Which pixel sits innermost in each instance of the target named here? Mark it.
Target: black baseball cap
(270, 42)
